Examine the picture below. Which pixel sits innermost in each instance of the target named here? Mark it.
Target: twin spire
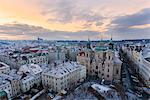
(110, 44)
(101, 37)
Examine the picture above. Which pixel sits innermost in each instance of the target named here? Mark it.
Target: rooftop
(3, 65)
(27, 78)
(100, 88)
(101, 48)
(31, 68)
(64, 69)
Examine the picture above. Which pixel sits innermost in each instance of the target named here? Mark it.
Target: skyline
(70, 20)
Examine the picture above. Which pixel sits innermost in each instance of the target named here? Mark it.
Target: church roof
(101, 48)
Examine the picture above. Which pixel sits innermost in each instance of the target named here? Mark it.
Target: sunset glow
(70, 16)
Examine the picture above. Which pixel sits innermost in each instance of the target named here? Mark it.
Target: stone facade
(102, 62)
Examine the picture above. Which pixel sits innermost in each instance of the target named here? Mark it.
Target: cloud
(132, 26)
(67, 11)
(139, 18)
(82, 17)
(25, 31)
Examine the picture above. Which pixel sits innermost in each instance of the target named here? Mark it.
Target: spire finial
(111, 36)
(88, 38)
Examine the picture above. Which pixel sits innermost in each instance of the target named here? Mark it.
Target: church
(102, 62)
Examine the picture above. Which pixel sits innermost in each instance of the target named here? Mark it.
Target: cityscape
(75, 50)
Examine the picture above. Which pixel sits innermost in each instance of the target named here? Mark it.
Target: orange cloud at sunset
(68, 15)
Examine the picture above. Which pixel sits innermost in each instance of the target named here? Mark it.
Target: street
(130, 80)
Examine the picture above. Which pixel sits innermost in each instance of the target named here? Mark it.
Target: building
(31, 76)
(139, 55)
(4, 68)
(5, 87)
(64, 76)
(144, 68)
(18, 58)
(15, 83)
(57, 53)
(101, 62)
(72, 52)
(104, 91)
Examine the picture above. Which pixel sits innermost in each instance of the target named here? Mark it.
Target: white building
(15, 83)
(140, 56)
(33, 76)
(144, 68)
(64, 77)
(4, 68)
(5, 86)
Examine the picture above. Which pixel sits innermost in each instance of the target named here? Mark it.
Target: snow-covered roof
(116, 59)
(3, 65)
(31, 68)
(3, 81)
(100, 88)
(64, 69)
(11, 76)
(146, 53)
(27, 78)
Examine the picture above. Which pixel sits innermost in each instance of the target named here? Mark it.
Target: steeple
(88, 44)
(101, 46)
(101, 41)
(111, 44)
(111, 37)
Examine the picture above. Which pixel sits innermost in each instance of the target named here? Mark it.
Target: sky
(74, 19)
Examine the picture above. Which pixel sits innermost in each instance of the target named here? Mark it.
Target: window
(109, 58)
(117, 71)
(108, 70)
(107, 75)
(96, 67)
(96, 73)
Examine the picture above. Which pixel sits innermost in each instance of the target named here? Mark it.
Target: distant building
(40, 39)
(27, 56)
(64, 76)
(101, 62)
(72, 52)
(56, 53)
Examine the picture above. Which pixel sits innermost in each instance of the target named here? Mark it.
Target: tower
(88, 44)
(111, 44)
